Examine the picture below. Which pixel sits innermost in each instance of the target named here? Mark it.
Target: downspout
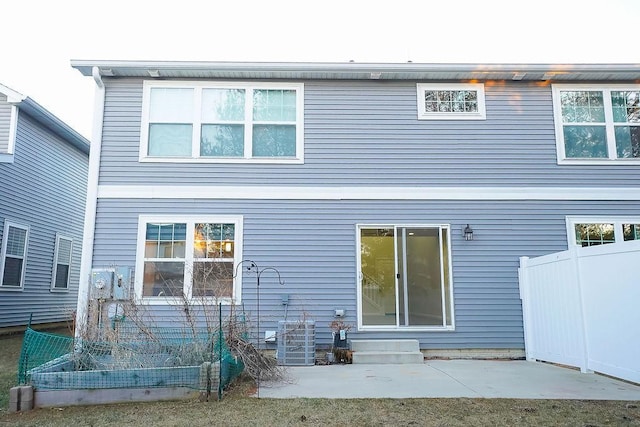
(90, 207)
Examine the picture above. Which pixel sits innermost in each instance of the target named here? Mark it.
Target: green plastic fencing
(39, 348)
(127, 355)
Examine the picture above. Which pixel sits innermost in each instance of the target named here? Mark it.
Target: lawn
(238, 408)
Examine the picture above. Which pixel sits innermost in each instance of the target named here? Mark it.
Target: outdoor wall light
(467, 233)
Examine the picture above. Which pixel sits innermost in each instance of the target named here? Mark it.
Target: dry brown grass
(238, 408)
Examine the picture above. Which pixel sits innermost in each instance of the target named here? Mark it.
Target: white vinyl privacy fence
(581, 308)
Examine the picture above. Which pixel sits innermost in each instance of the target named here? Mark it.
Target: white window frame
(3, 255)
(190, 220)
(617, 222)
(606, 90)
(481, 114)
(148, 85)
(56, 254)
(359, 303)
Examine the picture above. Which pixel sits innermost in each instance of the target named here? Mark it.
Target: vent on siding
(296, 342)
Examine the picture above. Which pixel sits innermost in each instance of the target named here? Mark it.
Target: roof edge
(13, 97)
(85, 67)
(56, 125)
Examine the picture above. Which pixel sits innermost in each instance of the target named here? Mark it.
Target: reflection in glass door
(378, 283)
(405, 277)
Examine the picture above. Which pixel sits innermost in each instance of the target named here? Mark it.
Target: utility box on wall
(113, 283)
(296, 343)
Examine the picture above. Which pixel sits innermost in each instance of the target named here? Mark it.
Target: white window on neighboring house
(597, 124)
(451, 101)
(61, 263)
(189, 258)
(592, 231)
(222, 122)
(13, 258)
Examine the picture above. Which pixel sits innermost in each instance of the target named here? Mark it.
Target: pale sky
(40, 37)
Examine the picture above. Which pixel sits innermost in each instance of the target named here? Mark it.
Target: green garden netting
(127, 355)
(39, 348)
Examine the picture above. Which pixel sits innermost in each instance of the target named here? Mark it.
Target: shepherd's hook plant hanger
(251, 266)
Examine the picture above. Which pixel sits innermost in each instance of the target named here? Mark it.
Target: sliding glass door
(404, 277)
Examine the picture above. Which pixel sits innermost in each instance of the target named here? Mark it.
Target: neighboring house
(43, 183)
(401, 195)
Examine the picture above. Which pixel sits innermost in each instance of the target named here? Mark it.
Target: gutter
(43, 117)
(56, 125)
(90, 207)
(359, 70)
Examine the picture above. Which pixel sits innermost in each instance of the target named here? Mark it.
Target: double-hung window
(222, 122)
(597, 124)
(451, 101)
(13, 258)
(61, 263)
(593, 231)
(187, 258)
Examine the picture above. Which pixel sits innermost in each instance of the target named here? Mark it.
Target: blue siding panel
(313, 245)
(45, 189)
(367, 133)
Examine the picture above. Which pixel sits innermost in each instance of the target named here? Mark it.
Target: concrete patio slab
(449, 379)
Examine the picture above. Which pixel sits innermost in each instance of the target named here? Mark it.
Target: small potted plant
(340, 349)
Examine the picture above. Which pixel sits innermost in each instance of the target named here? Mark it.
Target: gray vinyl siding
(367, 133)
(5, 124)
(45, 189)
(313, 245)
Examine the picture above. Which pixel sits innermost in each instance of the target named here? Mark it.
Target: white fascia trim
(13, 129)
(365, 193)
(13, 97)
(90, 207)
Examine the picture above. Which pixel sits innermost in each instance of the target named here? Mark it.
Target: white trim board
(365, 193)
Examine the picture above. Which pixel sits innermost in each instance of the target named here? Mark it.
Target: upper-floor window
(222, 122)
(186, 258)
(447, 101)
(590, 231)
(61, 263)
(13, 258)
(596, 124)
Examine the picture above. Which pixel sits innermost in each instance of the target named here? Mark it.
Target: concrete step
(387, 357)
(385, 345)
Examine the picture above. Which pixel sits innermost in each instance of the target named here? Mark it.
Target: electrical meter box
(122, 283)
(113, 283)
(101, 283)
